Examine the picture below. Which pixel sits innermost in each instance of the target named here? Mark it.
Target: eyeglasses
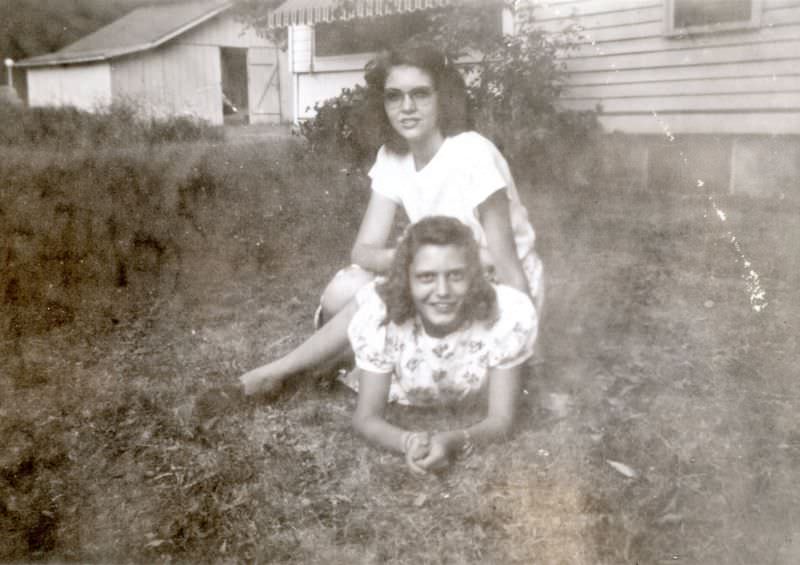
(421, 97)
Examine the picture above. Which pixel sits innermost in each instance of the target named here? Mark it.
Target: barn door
(263, 85)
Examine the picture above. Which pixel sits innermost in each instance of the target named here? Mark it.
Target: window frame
(756, 8)
(355, 22)
(505, 26)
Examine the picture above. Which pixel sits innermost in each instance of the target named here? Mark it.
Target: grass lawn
(658, 426)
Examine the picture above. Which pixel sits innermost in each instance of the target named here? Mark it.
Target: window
(368, 35)
(708, 16)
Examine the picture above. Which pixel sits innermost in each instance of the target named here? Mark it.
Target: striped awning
(310, 12)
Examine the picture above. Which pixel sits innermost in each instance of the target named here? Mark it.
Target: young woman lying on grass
(437, 331)
(429, 164)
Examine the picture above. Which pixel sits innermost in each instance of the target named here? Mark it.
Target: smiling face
(412, 104)
(439, 282)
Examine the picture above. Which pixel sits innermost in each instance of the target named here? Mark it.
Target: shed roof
(142, 29)
(310, 12)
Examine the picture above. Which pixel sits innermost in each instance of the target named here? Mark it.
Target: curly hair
(480, 303)
(453, 110)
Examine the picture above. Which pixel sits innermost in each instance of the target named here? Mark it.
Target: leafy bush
(513, 85)
(69, 127)
(343, 126)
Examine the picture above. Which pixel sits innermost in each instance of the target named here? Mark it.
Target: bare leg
(342, 289)
(539, 299)
(326, 344)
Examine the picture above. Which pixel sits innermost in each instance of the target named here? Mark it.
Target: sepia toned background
(179, 180)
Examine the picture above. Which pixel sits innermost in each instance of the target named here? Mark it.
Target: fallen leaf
(420, 500)
(670, 518)
(155, 543)
(622, 468)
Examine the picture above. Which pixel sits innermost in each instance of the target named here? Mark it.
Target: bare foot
(255, 382)
(205, 410)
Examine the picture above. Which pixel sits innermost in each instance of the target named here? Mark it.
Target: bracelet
(468, 446)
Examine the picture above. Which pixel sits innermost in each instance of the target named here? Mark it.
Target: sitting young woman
(437, 331)
(430, 164)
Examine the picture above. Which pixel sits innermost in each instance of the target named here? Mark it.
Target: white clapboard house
(712, 82)
(176, 59)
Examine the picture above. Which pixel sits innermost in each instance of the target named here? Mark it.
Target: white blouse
(465, 171)
(427, 370)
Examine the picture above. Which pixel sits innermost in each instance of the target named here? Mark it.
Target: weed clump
(119, 123)
(95, 235)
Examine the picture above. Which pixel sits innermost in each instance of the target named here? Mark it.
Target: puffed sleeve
(384, 176)
(489, 171)
(514, 334)
(368, 334)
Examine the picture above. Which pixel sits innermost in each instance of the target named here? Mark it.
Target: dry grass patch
(659, 426)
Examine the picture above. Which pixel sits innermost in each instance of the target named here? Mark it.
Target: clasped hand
(426, 452)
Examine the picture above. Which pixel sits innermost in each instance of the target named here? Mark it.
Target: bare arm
(326, 343)
(369, 420)
(496, 221)
(504, 386)
(369, 250)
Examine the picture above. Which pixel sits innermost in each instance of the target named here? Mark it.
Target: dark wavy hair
(481, 300)
(453, 110)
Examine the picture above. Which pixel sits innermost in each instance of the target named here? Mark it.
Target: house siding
(86, 87)
(320, 78)
(302, 45)
(176, 79)
(316, 87)
(742, 81)
(224, 30)
(737, 82)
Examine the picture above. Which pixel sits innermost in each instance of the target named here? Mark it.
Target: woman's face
(439, 281)
(411, 103)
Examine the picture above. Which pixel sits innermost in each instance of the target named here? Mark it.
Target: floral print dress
(429, 370)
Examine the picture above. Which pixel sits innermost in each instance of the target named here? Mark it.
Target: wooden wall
(172, 80)
(302, 46)
(224, 30)
(736, 82)
(227, 31)
(84, 86)
(318, 78)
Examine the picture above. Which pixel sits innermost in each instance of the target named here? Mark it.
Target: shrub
(513, 85)
(513, 88)
(68, 127)
(342, 126)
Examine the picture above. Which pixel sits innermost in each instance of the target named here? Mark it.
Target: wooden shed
(713, 83)
(168, 60)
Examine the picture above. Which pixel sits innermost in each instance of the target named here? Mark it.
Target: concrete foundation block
(766, 166)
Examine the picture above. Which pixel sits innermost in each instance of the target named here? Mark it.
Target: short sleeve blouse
(465, 171)
(428, 370)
